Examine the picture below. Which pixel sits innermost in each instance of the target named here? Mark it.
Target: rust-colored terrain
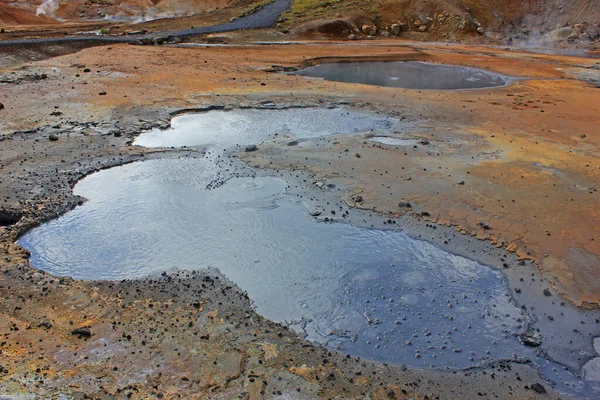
(515, 169)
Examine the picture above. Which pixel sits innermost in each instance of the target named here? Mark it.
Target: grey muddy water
(372, 293)
(407, 74)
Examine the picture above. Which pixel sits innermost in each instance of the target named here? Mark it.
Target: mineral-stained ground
(506, 174)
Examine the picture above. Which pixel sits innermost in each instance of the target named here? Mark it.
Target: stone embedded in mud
(84, 331)
(484, 225)
(8, 217)
(1, 106)
(52, 138)
(538, 388)
(251, 148)
(404, 204)
(531, 338)
(46, 325)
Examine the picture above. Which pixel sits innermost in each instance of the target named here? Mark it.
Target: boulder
(559, 34)
(369, 29)
(143, 42)
(1, 106)
(174, 39)
(396, 29)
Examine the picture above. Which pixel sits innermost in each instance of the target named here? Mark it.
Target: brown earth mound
(332, 27)
(15, 16)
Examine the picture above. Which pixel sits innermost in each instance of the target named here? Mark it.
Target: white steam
(47, 8)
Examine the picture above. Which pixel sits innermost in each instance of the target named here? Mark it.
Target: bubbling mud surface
(407, 75)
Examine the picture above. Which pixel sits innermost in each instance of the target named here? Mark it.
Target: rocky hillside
(495, 20)
(17, 12)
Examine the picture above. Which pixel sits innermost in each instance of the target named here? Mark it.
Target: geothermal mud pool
(223, 129)
(407, 74)
(372, 293)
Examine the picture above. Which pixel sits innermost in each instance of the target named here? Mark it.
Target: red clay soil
(14, 16)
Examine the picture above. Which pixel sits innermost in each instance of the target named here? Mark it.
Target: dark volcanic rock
(538, 388)
(84, 331)
(484, 225)
(9, 217)
(531, 338)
